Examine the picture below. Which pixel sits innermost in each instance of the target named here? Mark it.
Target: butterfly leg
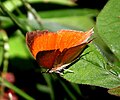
(60, 73)
(68, 71)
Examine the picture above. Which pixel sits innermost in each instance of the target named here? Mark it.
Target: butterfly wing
(71, 38)
(40, 41)
(69, 55)
(44, 40)
(47, 58)
(51, 49)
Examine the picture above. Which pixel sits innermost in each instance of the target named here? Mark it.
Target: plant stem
(33, 12)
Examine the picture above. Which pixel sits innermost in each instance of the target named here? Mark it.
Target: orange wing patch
(53, 50)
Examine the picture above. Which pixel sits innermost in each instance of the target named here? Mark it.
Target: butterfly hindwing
(46, 58)
(69, 55)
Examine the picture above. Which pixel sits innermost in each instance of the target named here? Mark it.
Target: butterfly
(56, 50)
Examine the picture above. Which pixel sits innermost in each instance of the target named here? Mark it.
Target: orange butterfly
(55, 51)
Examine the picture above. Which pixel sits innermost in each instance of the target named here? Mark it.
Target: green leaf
(67, 12)
(18, 40)
(92, 69)
(108, 25)
(19, 54)
(5, 22)
(11, 4)
(43, 88)
(75, 23)
(16, 21)
(80, 19)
